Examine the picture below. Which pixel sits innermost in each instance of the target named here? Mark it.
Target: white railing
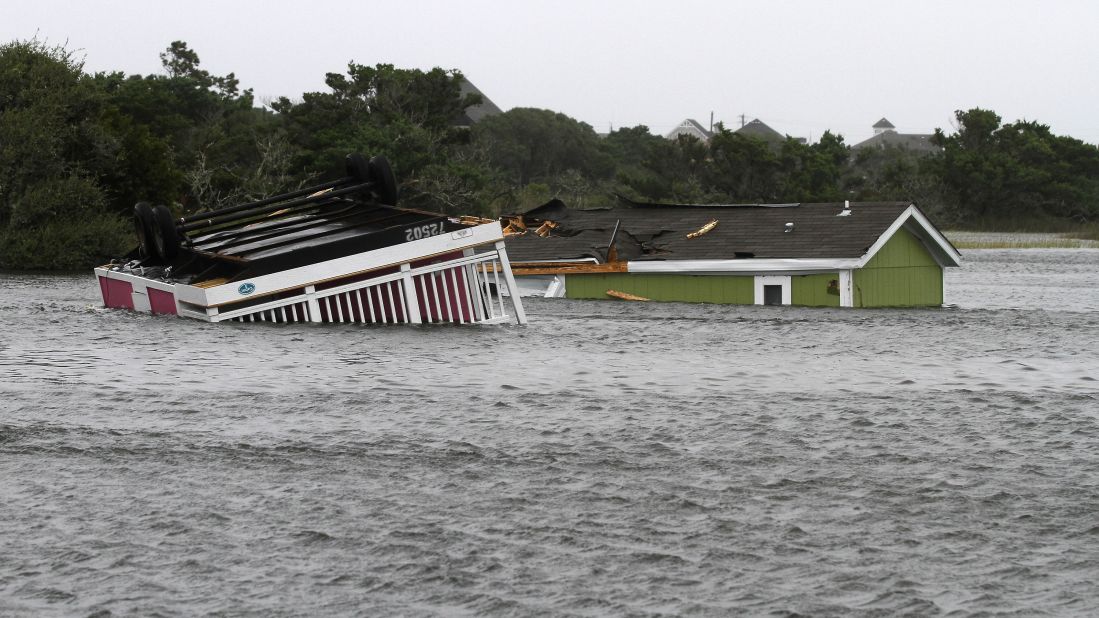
(473, 289)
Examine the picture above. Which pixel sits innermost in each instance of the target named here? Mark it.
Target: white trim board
(847, 288)
(745, 266)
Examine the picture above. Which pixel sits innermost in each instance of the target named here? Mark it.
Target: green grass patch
(1018, 240)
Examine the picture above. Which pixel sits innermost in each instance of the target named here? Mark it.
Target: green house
(880, 254)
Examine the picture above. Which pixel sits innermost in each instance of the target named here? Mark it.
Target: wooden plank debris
(626, 296)
(565, 268)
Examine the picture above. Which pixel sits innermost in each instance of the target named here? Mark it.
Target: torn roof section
(660, 231)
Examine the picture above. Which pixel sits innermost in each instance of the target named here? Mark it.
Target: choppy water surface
(611, 458)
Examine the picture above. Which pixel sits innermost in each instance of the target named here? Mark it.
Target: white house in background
(756, 129)
(690, 127)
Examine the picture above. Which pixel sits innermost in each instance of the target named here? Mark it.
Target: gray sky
(801, 67)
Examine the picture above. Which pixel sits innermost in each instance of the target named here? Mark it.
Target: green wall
(813, 290)
(902, 274)
(806, 290)
(724, 289)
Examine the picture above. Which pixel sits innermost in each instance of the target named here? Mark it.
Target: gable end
(933, 241)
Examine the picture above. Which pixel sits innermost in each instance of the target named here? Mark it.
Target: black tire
(358, 167)
(165, 235)
(143, 225)
(385, 183)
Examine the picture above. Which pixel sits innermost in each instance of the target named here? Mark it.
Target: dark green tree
(895, 173)
(537, 145)
(744, 169)
(650, 167)
(1017, 171)
(406, 115)
(193, 139)
(52, 207)
(812, 172)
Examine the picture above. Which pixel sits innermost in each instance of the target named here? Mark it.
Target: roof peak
(475, 113)
(690, 125)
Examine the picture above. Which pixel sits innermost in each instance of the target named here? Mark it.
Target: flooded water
(611, 458)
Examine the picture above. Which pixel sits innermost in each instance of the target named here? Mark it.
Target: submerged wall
(901, 274)
(721, 289)
(820, 290)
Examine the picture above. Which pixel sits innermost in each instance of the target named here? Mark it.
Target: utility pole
(711, 121)
(742, 121)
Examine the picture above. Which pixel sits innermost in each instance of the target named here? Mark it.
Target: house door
(772, 290)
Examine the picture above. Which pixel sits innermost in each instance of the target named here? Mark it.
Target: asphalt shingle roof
(659, 231)
(759, 130)
(915, 142)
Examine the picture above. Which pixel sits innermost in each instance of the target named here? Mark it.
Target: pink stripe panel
(116, 294)
(162, 302)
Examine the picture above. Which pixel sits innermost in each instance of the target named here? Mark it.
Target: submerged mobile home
(879, 254)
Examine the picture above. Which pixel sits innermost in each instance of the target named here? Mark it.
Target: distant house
(690, 127)
(886, 136)
(877, 254)
(475, 113)
(757, 129)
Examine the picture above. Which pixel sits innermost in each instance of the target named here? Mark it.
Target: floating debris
(626, 296)
(515, 226)
(546, 227)
(704, 229)
(473, 220)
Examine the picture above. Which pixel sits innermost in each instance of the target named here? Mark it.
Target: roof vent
(789, 227)
(846, 212)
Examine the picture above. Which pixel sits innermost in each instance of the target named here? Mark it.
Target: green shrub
(63, 244)
(67, 199)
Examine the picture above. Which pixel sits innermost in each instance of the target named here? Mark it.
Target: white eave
(911, 219)
(914, 221)
(742, 265)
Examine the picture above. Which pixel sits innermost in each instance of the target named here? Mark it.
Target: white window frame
(763, 280)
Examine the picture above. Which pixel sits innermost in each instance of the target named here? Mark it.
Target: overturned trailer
(336, 252)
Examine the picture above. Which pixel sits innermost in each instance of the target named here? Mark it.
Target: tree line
(78, 150)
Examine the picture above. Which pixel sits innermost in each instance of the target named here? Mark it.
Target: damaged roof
(660, 231)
